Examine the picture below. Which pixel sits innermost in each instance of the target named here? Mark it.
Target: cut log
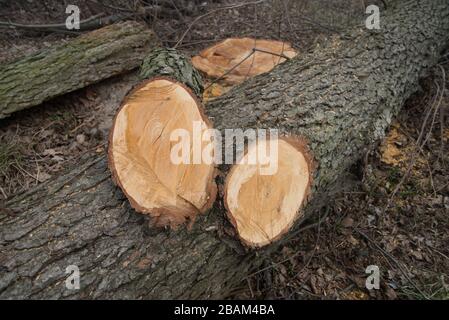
(264, 199)
(141, 144)
(235, 60)
(341, 98)
(90, 58)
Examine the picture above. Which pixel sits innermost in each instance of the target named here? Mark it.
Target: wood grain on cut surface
(140, 153)
(264, 198)
(235, 60)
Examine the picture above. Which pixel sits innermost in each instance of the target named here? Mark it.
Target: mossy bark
(90, 58)
(173, 64)
(342, 98)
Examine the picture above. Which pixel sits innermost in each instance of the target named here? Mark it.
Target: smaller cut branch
(266, 189)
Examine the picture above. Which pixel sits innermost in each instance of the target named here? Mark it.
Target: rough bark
(98, 55)
(170, 63)
(341, 98)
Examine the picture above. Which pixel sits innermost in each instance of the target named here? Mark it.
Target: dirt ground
(392, 211)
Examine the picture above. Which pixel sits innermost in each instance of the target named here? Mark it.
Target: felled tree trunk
(341, 98)
(141, 149)
(90, 58)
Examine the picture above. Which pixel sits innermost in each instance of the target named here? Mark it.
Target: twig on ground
(281, 55)
(92, 23)
(309, 226)
(211, 12)
(393, 259)
(45, 27)
(420, 142)
(243, 60)
(318, 224)
(230, 70)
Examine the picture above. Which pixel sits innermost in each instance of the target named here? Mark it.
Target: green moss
(173, 64)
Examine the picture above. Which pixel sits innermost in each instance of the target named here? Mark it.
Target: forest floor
(392, 212)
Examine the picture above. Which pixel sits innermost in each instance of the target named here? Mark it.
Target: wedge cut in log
(263, 198)
(341, 98)
(143, 157)
(85, 60)
(234, 60)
